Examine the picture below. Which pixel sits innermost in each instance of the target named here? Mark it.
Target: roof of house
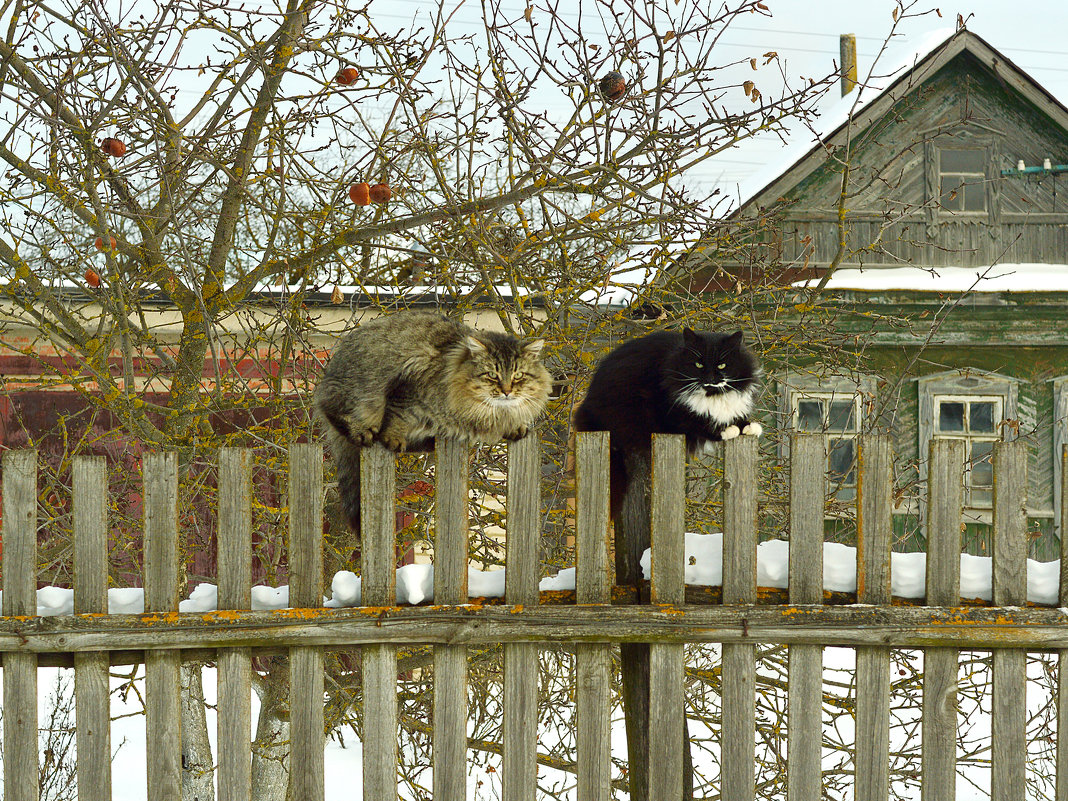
(875, 95)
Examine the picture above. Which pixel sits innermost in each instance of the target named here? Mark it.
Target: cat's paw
(753, 429)
(363, 436)
(730, 432)
(393, 442)
(518, 433)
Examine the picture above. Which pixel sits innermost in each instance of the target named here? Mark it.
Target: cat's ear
(475, 346)
(734, 340)
(690, 337)
(533, 349)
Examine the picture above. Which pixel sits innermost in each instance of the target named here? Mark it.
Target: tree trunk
(198, 778)
(633, 528)
(270, 750)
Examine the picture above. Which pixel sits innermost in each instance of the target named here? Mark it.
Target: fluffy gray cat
(406, 378)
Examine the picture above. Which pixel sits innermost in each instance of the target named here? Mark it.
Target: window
(974, 420)
(837, 415)
(962, 179)
(970, 405)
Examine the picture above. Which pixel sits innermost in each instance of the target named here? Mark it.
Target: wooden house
(949, 251)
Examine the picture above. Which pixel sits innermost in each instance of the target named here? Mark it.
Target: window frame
(967, 436)
(982, 176)
(970, 385)
(795, 387)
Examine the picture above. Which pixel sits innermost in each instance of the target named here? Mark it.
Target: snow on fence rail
(92, 638)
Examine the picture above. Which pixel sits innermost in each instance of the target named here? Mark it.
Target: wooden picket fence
(93, 638)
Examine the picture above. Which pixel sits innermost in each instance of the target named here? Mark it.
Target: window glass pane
(810, 415)
(982, 466)
(841, 416)
(982, 497)
(974, 197)
(950, 416)
(951, 192)
(963, 161)
(840, 461)
(981, 416)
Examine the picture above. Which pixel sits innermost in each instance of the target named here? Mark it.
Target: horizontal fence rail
(526, 620)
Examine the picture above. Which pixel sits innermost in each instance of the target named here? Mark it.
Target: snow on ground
(704, 567)
(1009, 277)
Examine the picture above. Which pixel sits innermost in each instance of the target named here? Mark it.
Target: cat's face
(708, 365)
(502, 373)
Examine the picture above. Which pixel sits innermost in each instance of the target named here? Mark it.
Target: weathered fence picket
(874, 530)
(1062, 655)
(944, 503)
(592, 626)
(378, 587)
(20, 598)
(740, 493)
(91, 690)
(235, 592)
(593, 585)
(519, 736)
(162, 668)
(1008, 754)
(667, 723)
(804, 737)
(306, 683)
(450, 587)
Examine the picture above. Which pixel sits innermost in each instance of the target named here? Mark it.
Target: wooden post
(378, 550)
(593, 585)
(808, 481)
(20, 598)
(91, 690)
(847, 49)
(235, 592)
(520, 727)
(306, 780)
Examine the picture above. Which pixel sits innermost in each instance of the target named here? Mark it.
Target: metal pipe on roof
(847, 46)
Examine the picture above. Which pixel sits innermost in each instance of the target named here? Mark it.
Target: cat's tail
(347, 462)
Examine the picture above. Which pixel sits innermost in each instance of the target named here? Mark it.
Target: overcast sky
(805, 33)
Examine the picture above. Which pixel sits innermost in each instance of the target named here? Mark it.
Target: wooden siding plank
(378, 554)
(162, 681)
(944, 501)
(91, 697)
(520, 732)
(593, 585)
(667, 722)
(740, 494)
(1009, 702)
(20, 598)
(235, 592)
(874, 531)
(450, 587)
(305, 591)
(804, 738)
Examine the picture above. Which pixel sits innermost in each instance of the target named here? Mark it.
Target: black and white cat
(688, 382)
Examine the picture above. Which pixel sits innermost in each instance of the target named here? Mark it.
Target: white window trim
(969, 436)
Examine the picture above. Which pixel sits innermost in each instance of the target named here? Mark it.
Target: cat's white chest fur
(723, 408)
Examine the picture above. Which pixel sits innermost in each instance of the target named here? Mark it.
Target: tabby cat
(406, 378)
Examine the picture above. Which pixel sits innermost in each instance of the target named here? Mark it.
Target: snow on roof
(994, 278)
(803, 140)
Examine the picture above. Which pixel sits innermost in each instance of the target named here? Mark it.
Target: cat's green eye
(518, 376)
(720, 366)
(698, 365)
(489, 376)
